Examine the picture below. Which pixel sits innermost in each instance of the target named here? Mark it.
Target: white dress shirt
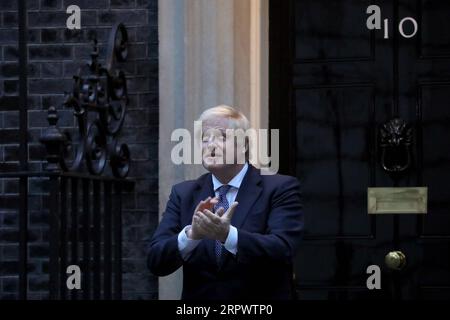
(187, 245)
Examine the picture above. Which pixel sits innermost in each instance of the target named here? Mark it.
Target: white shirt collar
(235, 182)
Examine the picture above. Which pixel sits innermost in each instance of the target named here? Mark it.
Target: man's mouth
(212, 155)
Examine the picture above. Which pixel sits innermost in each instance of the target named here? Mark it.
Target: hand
(214, 226)
(194, 232)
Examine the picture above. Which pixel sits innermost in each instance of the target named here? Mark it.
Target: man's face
(215, 143)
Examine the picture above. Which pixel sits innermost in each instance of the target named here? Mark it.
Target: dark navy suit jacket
(269, 221)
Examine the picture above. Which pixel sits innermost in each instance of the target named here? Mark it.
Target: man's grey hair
(237, 120)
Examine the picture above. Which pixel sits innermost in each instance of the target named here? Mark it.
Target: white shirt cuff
(185, 244)
(232, 240)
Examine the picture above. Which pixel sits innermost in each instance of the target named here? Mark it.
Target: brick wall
(55, 54)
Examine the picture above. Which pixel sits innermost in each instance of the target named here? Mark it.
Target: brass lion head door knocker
(395, 142)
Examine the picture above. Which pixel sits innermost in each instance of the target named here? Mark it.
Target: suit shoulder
(279, 179)
(188, 184)
(183, 186)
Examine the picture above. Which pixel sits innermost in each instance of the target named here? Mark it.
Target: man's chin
(212, 164)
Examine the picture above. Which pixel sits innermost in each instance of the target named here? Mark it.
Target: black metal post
(86, 279)
(23, 150)
(97, 240)
(23, 237)
(54, 238)
(63, 239)
(107, 263)
(117, 241)
(74, 228)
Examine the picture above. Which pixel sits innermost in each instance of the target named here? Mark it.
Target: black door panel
(336, 83)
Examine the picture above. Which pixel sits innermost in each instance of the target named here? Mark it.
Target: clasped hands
(206, 224)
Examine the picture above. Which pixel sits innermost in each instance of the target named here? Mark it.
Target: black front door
(333, 84)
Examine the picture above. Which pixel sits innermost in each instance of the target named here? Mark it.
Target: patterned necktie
(223, 202)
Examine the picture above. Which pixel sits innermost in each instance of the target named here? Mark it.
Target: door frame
(281, 55)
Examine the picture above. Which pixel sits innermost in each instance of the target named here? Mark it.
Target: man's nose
(211, 142)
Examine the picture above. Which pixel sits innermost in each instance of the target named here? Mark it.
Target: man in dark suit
(234, 230)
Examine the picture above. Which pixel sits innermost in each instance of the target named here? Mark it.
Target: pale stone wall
(211, 52)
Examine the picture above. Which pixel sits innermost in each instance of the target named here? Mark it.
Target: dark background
(337, 83)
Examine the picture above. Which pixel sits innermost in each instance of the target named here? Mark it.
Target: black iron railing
(85, 229)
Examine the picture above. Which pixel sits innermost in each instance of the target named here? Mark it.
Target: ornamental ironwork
(99, 102)
(395, 142)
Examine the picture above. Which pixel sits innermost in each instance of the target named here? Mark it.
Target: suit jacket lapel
(248, 193)
(206, 190)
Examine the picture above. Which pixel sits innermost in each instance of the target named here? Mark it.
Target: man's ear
(247, 148)
(246, 145)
